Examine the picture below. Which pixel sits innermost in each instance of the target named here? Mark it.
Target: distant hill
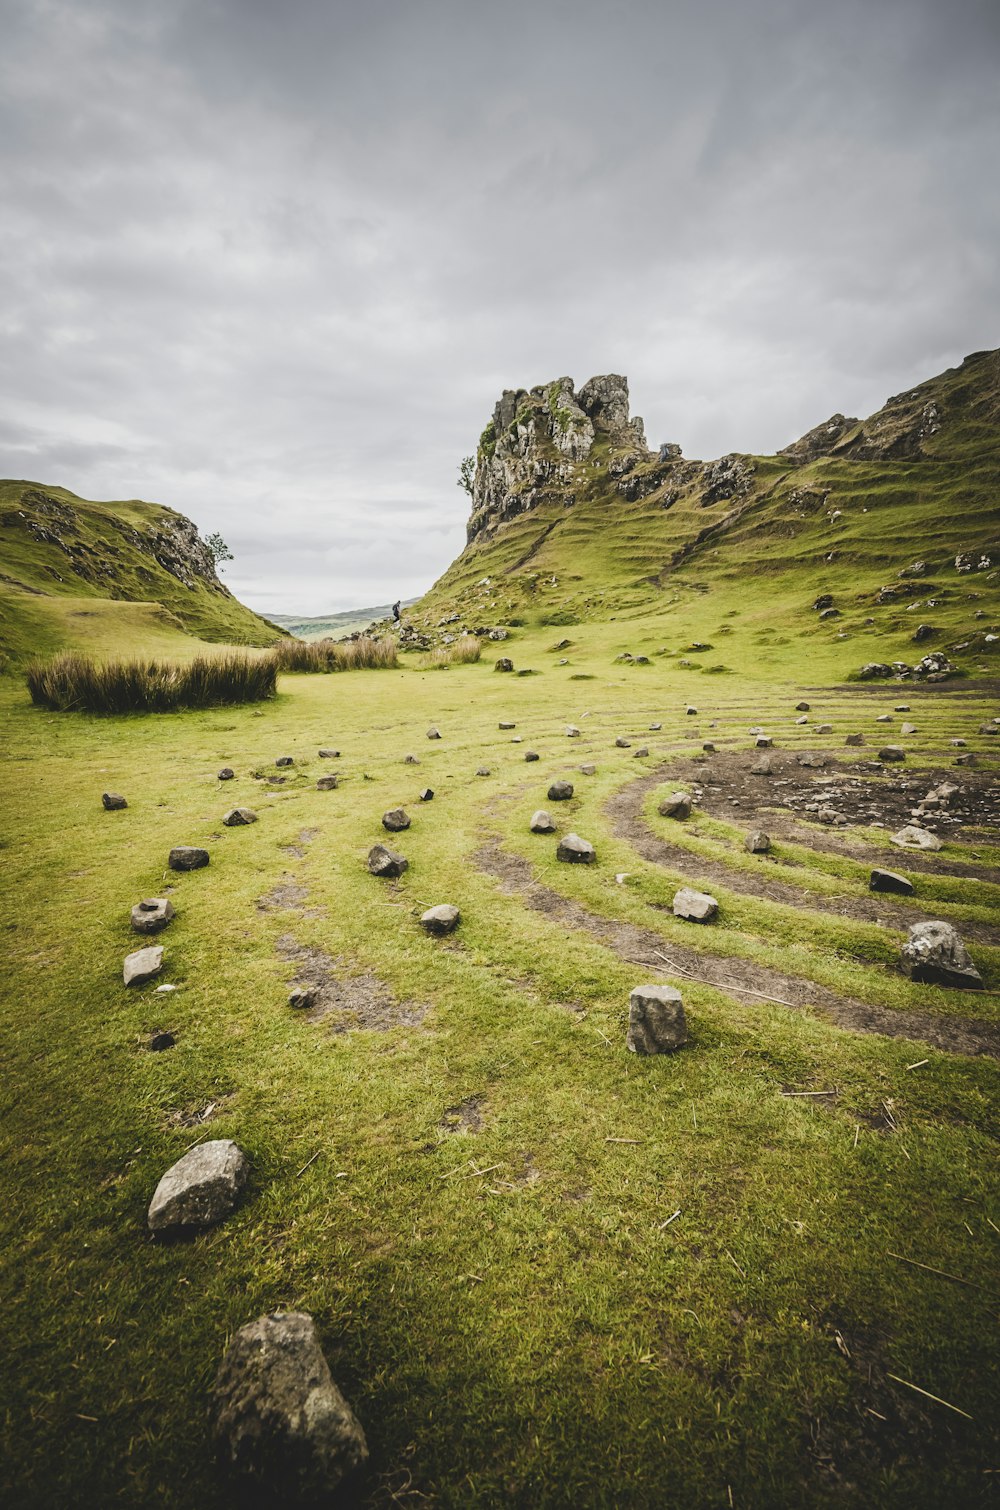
(336, 625)
(125, 576)
(895, 520)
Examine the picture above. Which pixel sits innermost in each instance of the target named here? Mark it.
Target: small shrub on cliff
(77, 683)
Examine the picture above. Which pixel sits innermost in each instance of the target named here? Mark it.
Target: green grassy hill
(108, 577)
(729, 553)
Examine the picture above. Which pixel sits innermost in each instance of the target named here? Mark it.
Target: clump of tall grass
(77, 683)
(335, 655)
(464, 652)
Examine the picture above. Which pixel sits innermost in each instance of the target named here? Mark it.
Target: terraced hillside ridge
(76, 574)
(874, 540)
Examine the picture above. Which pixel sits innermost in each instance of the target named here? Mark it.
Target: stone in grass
(884, 718)
(142, 965)
(762, 767)
(433, 733)
(656, 1022)
(989, 728)
(385, 862)
(201, 1189)
(226, 774)
(757, 842)
(505, 723)
(855, 739)
(410, 760)
(811, 761)
(691, 712)
(395, 820)
(284, 760)
(113, 802)
(302, 997)
(482, 770)
(676, 805)
(152, 915)
(531, 755)
(281, 1425)
(908, 729)
(889, 880)
(802, 720)
(329, 754)
(187, 857)
(573, 850)
(326, 783)
(541, 823)
(238, 817)
(802, 707)
(588, 770)
(891, 753)
(560, 791)
(504, 664)
(912, 836)
(824, 728)
(958, 744)
(694, 906)
(572, 732)
(763, 741)
(641, 753)
(444, 918)
(902, 708)
(708, 747)
(934, 953)
(965, 760)
(621, 743)
(160, 1040)
(427, 795)
(655, 728)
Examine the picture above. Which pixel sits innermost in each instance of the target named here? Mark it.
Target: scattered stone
(890, 753)
(691, 712)
(541, 823)
(518, 739)
(934, 953)
(812, 762)
(504, 664)
(655, 728)
(226, 774)
(824, 728)
(912, 836)
(575, 851)
(410, 760)
(588, 770)
(656, 1022)
(884, 718)
(708, 747)
(200, 1189)
(874, 669)
(161, 1040)
(830, 815)
(901, 708)
(802, 720)
(825, 600)
(142, 965)
(694, 906)
(958, 744)
(572, 732)
(113, 802)
(802, 707)
(531, 755)
(676, 805)
(908, 729)
(326, 784)
(427, 795)
(504, 724)
(641, 753)
(830, 613)
(924, 632)
(239, 817)
(764, 742)
(303, 997)
(187, 857)
(385, 862)
(560, 791)
(284, 760)
(762, 767)
(433, 733)
(855, 739)
(989, 728)
(281, 1423)
(757, 842)
(395, 820)
(329, 754)
(444, 918)
(622, 744)
(889, 880)
(965, 760)
(482, 770)
(152, 915)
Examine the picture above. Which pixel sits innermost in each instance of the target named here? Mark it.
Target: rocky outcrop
(536, 439)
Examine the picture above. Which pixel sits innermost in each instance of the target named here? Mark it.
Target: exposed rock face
(281, 1423)
(537, 436)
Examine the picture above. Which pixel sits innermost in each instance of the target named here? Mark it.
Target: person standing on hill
(395, 612)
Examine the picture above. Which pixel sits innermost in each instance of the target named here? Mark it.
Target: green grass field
(546, 1272)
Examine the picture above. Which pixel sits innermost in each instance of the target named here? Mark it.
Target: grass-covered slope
(749, 542)
(109, 577)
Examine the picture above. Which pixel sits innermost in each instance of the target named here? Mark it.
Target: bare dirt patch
(737, 978)
(466, 1117)
(773, 878)
(298, 849)
(286, 896)
(343, 1000)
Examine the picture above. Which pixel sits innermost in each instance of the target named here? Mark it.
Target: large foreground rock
(200, 1189)
(152, 915)
(656, 1022)
(934, 953)
(541, 823)
(890, 880)
(143, 965)
(694, 906)
(383, 861)
(395, 820)
(281, 1423)
(576, 851)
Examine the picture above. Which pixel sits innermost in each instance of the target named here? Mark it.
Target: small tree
(466, 473)
(218, 549)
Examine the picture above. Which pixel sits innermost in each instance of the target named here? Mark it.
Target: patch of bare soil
(345, 1001)
(298, 849)
(466, 1117)
(774, 879)
(738, 978)
(286, 896)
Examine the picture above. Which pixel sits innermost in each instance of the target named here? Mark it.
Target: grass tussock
(464, 652)
(336, 655)
(78, 683)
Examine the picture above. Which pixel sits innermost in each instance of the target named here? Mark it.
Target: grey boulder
(541, 823)
(113, 801)
(677, 805)
(935, 954)
(656, 1022)
(152, 915)
(575, 851)
(757, 842)
(143, 965)
(329, 754)
(201, 1189)
(187, 857)
(326, 783)
(914, 837)
(762, 767)
(560, 791)
(694, 906)
(531, 755)
(889, 880)
(226, 774)
(433, 733)
(889, 753)
(444, 918)
(283, 760)
(238, 817)
(385, 862)
(281, 1424)
(395, 820)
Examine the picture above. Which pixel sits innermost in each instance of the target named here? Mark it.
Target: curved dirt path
(953, 1035)
(772, 880)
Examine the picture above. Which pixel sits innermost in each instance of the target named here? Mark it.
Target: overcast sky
(271, 262)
